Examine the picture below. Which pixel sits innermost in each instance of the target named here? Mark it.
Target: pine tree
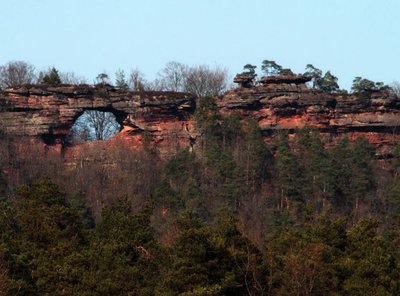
(183, 174)
(122, 254)
(196, 264)
(298, 263)
(255, 154)
(290, 179)
(245, 262)
(120, 81)
(52, 78)
(78, 202)
(316, 165)
(48, 231)
(340, 157)
(369, 265)
(362, 180)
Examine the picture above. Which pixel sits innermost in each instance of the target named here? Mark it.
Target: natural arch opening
(94, 125)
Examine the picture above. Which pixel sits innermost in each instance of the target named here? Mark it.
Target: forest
(235, 216)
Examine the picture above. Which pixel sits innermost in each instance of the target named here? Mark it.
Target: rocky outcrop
(245, 79)
(280, 103)
(48, 113)
(285, 103)
(285, 78)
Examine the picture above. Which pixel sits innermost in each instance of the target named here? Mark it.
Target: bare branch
(16, 73)
(173, 76)
(94, 125)
(203, 81)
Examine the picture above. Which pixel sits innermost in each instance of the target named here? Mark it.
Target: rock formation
(48, 113)
(285, 103)
(280, 103)
(245, 79)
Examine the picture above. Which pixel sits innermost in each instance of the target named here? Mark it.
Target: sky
(348, 37)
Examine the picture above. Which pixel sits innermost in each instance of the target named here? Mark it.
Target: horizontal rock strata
(49, 113)
(279, 104)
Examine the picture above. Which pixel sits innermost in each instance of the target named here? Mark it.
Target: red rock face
(48, 113)
(280, 106)
(166, 118)
(165, 136)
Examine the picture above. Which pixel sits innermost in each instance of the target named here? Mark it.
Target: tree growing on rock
(248, 77)
(102, 78)
(72, 78)
(205, 81)
(314, 73)
(53, 76)
(120, 81)
(395, 86)
(136, 80)
(363, 86)
(50, 78)
(173, 76)
(328, 83)
(16, 73)
(250, 69)
(271, 68)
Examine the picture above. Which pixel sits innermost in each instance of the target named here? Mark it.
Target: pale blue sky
(349, 37)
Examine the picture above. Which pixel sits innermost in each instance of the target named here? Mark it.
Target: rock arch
(48, 113)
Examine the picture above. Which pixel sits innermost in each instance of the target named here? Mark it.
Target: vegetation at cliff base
(305, 212)
(235, 216)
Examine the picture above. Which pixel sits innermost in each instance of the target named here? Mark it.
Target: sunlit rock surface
(166, 118)
(48, 113)
(288, 105)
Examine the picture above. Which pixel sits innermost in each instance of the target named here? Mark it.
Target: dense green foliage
(120, 81)
(326, 83)
(51, 78)
(271, 68)
(364, 87)
(232, 217)
(46, 250)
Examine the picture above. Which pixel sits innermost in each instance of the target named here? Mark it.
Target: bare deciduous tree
(103, 78)
(204, 81)
(94, 125)
(16, 73)
(79, 133)
(136, 80)
(104, 124)
(199, 80)
(3, 281)
(396, 88)
(65, 77)
(155, 85)
(173, 76)
(72, 78)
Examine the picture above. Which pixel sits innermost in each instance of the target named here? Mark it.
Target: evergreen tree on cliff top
(51, 78)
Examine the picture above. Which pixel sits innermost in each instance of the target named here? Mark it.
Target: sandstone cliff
(48, 113)
(280, 103)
